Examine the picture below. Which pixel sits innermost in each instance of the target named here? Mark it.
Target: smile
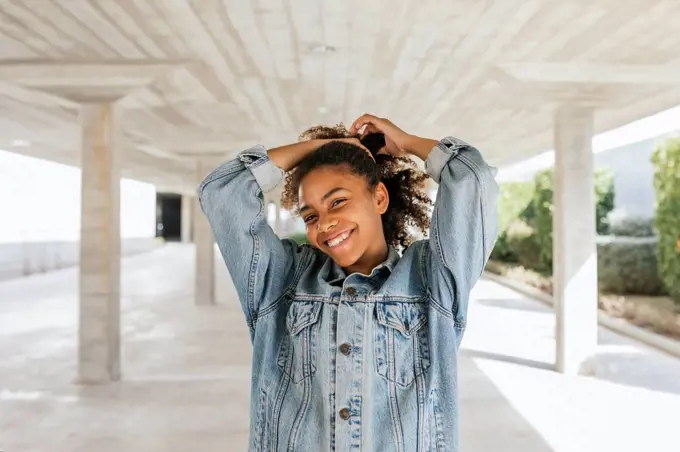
(339, 239)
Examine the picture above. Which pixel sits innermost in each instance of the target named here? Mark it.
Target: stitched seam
(281, 393)
(295, 431)
(482, 188)
(392, 385)
(420, 396)
(252, 277)
(440, 308)
(289, 292)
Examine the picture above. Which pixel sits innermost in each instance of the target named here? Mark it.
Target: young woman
(355, 346)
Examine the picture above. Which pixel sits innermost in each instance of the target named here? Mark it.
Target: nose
(326, 224)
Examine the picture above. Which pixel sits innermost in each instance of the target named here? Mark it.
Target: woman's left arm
(464, 222)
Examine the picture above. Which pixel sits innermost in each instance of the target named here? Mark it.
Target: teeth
(338, 240)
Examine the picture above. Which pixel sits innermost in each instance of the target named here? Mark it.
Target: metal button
(351, 291)
(345, 349)
(344, 413)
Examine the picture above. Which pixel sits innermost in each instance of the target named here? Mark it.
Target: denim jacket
(355, 362)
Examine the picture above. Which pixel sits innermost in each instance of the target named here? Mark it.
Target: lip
(330, 237)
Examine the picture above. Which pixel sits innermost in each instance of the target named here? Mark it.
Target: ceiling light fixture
(323, 48)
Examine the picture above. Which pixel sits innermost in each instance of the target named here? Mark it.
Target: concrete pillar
(187, 202)
(205, 252)
(99, 327)
(574, 233)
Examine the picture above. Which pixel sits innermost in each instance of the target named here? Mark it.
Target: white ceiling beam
(593, 73)
(37, 73)
(33, 97)
(85, 81)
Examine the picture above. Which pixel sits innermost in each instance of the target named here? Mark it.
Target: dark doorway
(169, 216)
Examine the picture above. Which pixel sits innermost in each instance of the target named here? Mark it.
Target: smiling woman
(355, 206)
(355, 345)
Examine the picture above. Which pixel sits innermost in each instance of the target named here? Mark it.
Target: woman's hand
(397, 142)
(395, 138)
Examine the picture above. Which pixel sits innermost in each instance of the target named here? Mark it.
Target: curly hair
(409, 203)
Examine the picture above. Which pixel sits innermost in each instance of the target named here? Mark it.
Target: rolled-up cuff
(445, 150)
(267, 175)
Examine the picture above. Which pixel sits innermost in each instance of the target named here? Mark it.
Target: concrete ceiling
(207, 78)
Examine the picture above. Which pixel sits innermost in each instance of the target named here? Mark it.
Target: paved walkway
(186, 374)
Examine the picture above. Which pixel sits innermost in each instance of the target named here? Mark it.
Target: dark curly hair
(409, 203)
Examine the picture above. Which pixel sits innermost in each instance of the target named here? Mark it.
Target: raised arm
(464, 221)
(261, 265)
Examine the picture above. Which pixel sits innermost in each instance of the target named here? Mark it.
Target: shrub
(514, 199)
(543, 207)
(622, 224)
(543, 220)
(604, 199)
(522, 242)
(666, 161)
(628, 265)
(502, 250)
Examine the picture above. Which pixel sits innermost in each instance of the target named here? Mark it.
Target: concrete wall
(23, 259)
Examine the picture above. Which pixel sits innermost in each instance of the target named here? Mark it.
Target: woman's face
(343, 215)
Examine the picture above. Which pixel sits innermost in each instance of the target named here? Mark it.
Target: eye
(338, 202)
(309, 218)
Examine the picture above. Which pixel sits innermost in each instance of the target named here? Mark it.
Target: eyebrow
(325, 197)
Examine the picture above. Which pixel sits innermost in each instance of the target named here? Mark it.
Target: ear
(381, 198)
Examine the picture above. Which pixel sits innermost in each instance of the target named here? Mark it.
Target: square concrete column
(99, 327)
(205, 251)
(574, 232)
(187, 206)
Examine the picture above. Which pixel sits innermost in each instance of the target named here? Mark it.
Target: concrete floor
(186, 374)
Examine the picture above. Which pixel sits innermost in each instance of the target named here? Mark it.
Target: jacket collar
(336, 274)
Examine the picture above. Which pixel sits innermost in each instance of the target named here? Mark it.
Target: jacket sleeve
(464, 223)
(262, 266)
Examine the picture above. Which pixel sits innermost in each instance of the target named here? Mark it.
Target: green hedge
(514, 199)
(543, 211)
(624, 225)
(628, 265)
(666, 161)
(522, 241)
(543, 219)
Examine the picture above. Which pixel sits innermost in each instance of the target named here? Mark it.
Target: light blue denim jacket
(355, 362)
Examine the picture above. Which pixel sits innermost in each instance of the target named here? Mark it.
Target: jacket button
(345, 349)
(351, 291)
(344, 413)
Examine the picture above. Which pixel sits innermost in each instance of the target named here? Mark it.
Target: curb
(614, 324)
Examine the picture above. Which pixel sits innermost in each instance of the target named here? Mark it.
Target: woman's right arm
(261, 265)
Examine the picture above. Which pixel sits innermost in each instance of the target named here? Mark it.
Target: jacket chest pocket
(298, 349)
(402, 349)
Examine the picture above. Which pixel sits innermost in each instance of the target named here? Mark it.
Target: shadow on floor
(507, 359)
(489, 423)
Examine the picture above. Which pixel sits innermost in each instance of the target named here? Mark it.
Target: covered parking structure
(161, 91)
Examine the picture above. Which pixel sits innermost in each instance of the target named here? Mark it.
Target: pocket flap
(407, 318)
(301, 315)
